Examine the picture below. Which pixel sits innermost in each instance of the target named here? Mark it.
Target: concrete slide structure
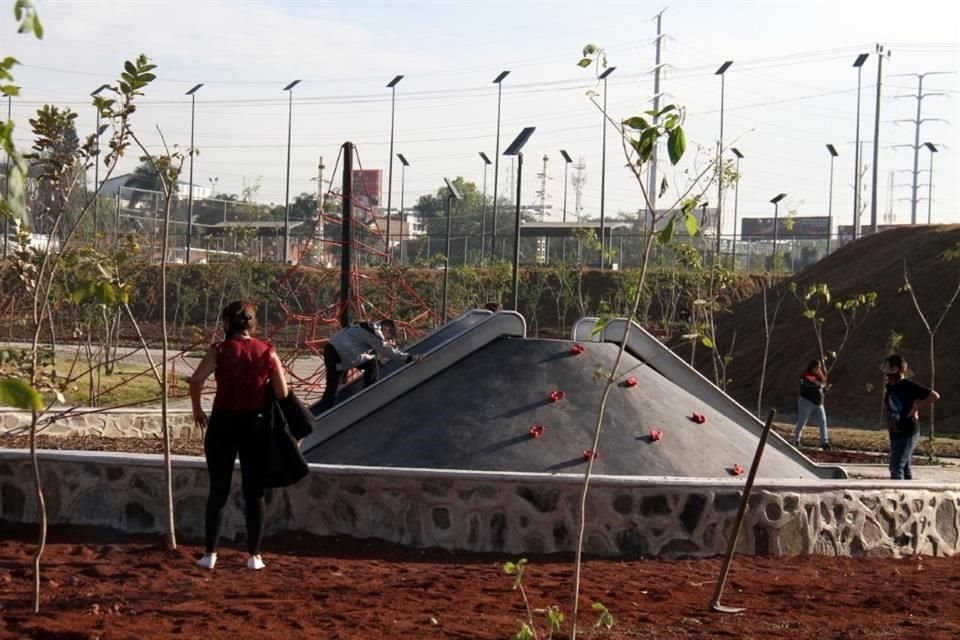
(471, 404)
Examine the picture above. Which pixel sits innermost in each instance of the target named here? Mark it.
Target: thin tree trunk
(41, 509)
(167, 466)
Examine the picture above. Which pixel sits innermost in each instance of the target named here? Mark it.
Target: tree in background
(466, 219)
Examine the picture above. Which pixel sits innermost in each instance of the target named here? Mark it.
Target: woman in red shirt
(243, 367)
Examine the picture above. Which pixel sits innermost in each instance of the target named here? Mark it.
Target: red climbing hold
(630, 382)
(656, 435)
(557, 396)
(536, 431)
(576, 349)
(699, 418)
(590, 453)
(737, 470)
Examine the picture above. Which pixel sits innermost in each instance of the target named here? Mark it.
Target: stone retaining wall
(506, 513)
(113, 423)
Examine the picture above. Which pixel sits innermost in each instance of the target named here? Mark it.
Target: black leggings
(331, 360)
(228, 434)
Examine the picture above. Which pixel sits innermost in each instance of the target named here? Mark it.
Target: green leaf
(589, 50)
(10, 90)
(37, 28)
(585, 62)
(19, 394)
(130, 68)
(665, 235)
(707, 342)
(106, 294)
(690, 222)
(509, 568)
(809, 314)
(664, 185)
(525, 633)
(676, 145)
(636, 122)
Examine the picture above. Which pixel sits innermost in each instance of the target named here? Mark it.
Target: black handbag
(300, 420)
(285, 462)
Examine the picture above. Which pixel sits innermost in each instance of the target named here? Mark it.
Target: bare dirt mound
(100, 584)
(874, 263)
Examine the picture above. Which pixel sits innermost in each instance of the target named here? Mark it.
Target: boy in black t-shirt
(902, 402)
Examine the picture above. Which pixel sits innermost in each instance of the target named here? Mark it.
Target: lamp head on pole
(99, 89)
(566, 156)
(486, 160)
(723, 68)
(832, 150)
(736, 152)
(454, 192)
(519, 141)
(777, 198)
(394, 82)
(402, 160)
(501, 76)
(291, 85)
(860, 60)
(193, 90)
(607, 72)
(931, 147)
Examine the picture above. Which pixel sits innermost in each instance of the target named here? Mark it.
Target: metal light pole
(286, 209)
(496, 164)
(858, 64)
(96, 166)
(603, 161)
(453, 195)
(392, 85)
(566, 165)
(736, 202)
(483, 214)
(193, 107)
(833, 155)
(776, 227)
(403, 180)
(876, 138)
(515, 150)
(933, 149)
(723, 82)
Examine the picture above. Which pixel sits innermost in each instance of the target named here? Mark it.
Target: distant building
(112, 186)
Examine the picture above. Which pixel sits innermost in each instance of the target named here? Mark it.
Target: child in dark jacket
(813, 384)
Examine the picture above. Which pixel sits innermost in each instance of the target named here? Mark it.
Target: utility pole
(876, 138)
(920, 95)
(652, 176)
(542, 241)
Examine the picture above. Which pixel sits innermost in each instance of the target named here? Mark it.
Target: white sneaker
(208, 561)
(255, 563)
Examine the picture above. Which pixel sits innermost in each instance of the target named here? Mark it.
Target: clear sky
(791, 89)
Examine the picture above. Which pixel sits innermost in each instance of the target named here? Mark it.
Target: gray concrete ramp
(477, 412)
(441, 349)
(647, 348)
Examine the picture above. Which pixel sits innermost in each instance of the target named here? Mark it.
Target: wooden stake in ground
(732, 545)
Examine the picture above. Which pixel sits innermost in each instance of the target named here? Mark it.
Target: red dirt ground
(101, 584)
